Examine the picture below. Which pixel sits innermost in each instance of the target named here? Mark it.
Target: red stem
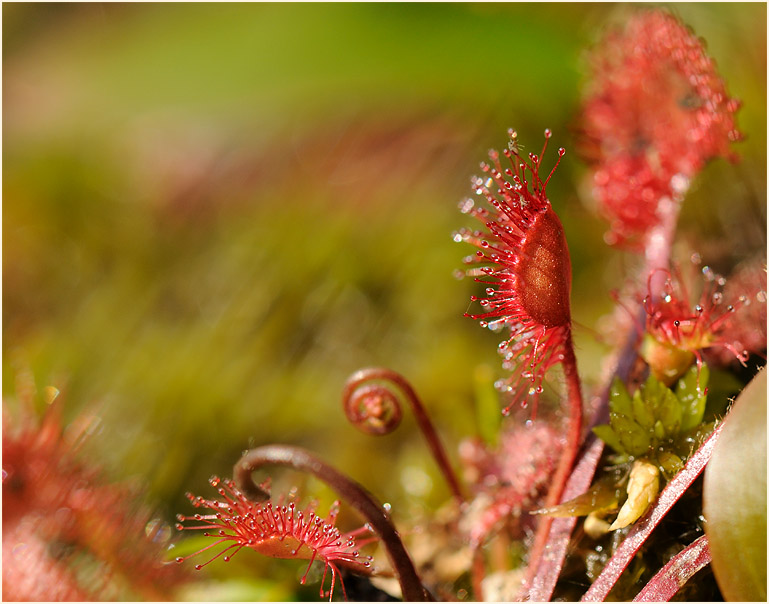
(540, 582)
(565, 464)
(540, 588)
(659, 243)
(477, 574)
(682, 567)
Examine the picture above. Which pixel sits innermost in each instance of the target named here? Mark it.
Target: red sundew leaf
(549, 569)
(644, 527)
(524, 259)
(655, 112)
(682, 567)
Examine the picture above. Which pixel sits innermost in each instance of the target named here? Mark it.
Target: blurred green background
(214, 213)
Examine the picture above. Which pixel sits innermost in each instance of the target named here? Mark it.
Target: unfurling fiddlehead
(373, 407)
(352, 492)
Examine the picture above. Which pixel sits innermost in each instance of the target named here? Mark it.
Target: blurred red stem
(659, 244)
(478, 573)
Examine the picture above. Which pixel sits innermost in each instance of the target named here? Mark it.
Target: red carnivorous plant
(275, 529)
(68, 534)
(524, 259)
(654, 113)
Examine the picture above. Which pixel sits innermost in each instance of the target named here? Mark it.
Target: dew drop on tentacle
(466, 205)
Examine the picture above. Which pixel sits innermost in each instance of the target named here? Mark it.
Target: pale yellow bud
(642, 489)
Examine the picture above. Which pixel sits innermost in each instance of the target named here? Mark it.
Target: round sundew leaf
(734, 498)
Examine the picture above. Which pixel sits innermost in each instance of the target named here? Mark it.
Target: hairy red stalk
(352, 492)
(540, 587)
(672, 577)
(644, 527)
(565, 464)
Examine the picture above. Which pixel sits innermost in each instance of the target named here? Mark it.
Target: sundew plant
(181, 432)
